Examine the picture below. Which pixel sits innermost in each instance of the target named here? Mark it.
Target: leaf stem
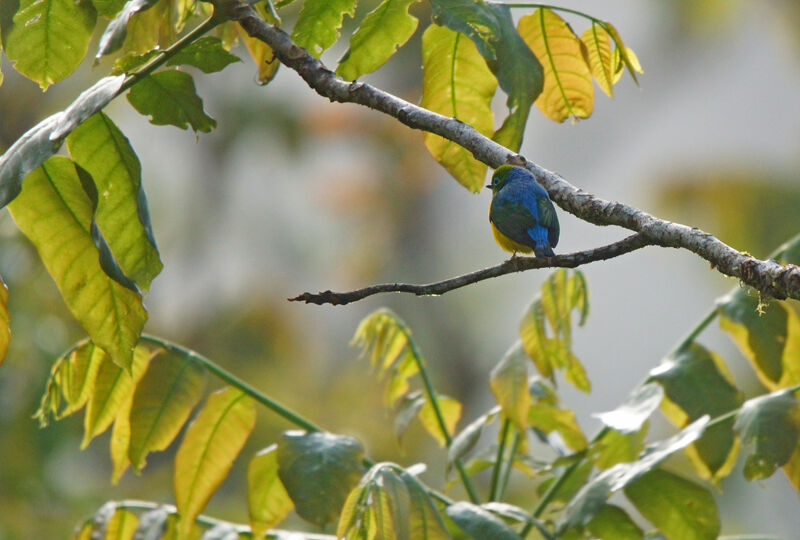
(498, 460)
(462, 472)
(549, 6)
(231, 379)
(509, 464)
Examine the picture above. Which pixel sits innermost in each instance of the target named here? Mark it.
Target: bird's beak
(488, 186)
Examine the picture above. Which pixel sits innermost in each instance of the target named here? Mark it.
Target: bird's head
(500, 177)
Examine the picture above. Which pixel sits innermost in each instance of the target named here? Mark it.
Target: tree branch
(514, 264)
(769, 277)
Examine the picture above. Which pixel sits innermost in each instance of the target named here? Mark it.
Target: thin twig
(514, 264)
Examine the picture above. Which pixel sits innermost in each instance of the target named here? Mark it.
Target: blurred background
(292, 193)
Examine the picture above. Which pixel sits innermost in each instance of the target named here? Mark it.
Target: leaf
(122, 525)
(769, 336)
(99, 146)
(211, 443)
(206, 54)
(5, 320)
(76, 375)
(162, 403)
(598, 53)
(467, 438)
(112, 387)
(548, 419)
(267, 499)
(457, 83)
(613, 523)
(568, 89)
(624, 53)
(317, 26)
(132, 61)
(593, 495)
(509, 383)
(114, 35)
(55, 214)
(49, 38)
(26, 154)
(634, 412)
(771, 424)
(108, 8)
(406, 411)
(519, 73)
(318, 471)
(680, 509)
(615, 447)
(263, 56)
(451, 412)
(383, 30)
(572, 485)
(696, 383)
(479, 523)
(169, 97)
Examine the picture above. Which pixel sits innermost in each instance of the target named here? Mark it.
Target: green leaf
(211, 443)
(467, 438)
(54, 212)
(114, 35)
(317, 26)
(696, 383)
(99, 146)
(162, 403)
(76, 374)
(634, 412)
(112, 388)
(594, 494)
(598, 52)
(129, 62)
(548, 419)
(572, 485)
(121, 526)
(5, 328)
(383, 30)
(267, 499)
(169, 98)
(680, 509)
(519, 73)
(568, 89)
(479, 523)
(615, 447)
(451, 413)
(318, 471)
(50, 38)
(560, 296)
(509, 383)
(613, 523)
(206, 54)
(771, 424)
(108, 8)
(457, 83)
(406, 411)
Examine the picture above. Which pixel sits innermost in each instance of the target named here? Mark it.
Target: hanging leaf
(317, 26)
(479, 523)
(268, 501)
(625, 56)
(451, 413)
(383, 30)
(771, 424)
(211, 443)
(598, 53)
(73, 377)
(263, 56)
(467, 438)
(206, 54)
(549, 419)
(114, 35)
(121, 526)
(406, 411)
(696, 382)
(457, 83)
(679, 508)
(99, 146)
(634, 412)
(162, 403)
(509, 383)
(568, 89)
(54, 212)
(518, 72)
(318, 471)
(169, 98)
(49, 38)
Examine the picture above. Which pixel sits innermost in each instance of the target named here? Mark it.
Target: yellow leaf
(568, 89)
(262, 55)
(122, 525)
(509, 384)
(598, 48)
(267, 499)
(451, 412)
(548, 419)
(5, 329)
(625, 55)
(456, 82)
(208, 449)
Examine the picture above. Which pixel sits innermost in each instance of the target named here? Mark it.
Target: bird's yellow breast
(507, 243)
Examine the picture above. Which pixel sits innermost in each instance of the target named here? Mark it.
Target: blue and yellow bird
(522, 216)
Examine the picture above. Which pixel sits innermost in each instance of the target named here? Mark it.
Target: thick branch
(769, 277)
(515, 264)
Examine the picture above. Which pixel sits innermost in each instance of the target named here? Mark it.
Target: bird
(521, 214)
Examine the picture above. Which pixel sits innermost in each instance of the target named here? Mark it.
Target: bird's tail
(544, 251)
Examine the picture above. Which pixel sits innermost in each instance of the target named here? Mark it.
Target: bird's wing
(548, 219)
(513, 219)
